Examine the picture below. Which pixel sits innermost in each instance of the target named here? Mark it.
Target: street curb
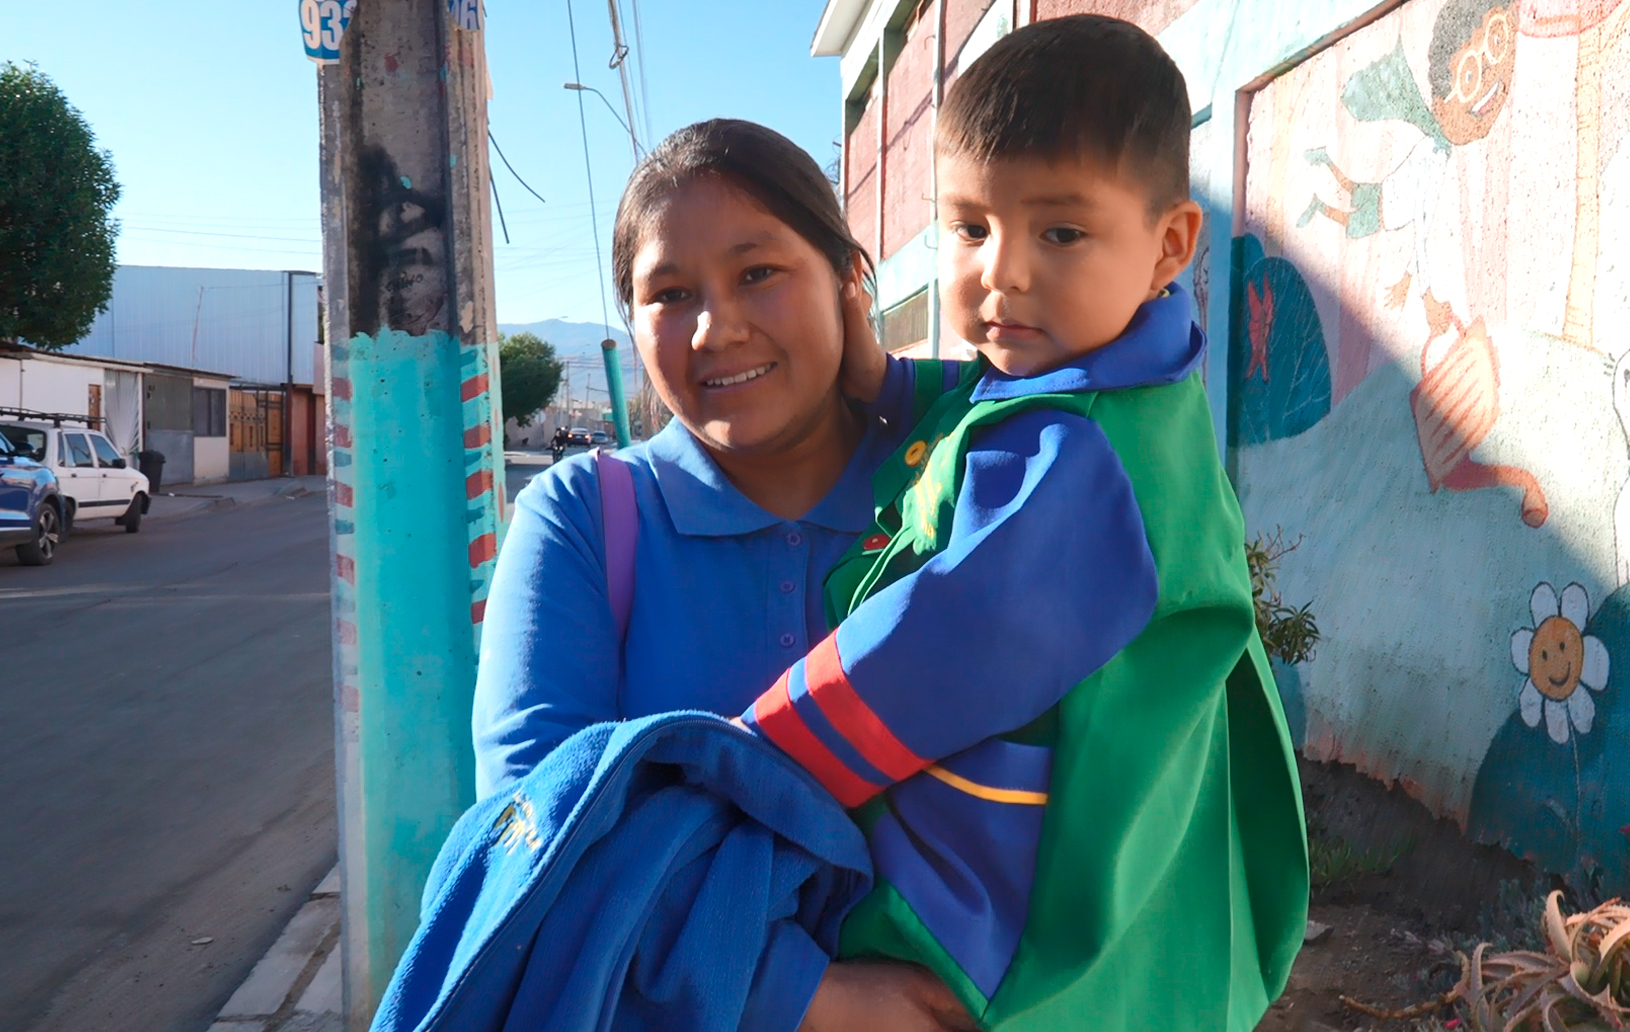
(296, 985)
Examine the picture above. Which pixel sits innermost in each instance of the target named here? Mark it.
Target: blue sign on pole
(466, 13)
(322, 23)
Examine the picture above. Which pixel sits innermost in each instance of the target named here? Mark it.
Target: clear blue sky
(210, 112)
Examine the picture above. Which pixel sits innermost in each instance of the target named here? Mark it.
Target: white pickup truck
(94, 478)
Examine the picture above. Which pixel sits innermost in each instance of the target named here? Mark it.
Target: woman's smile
(725, 381)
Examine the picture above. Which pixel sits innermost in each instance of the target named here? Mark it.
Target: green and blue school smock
(1048, 702)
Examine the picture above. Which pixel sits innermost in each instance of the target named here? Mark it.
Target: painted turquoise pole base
(415, 521)
(614, 388)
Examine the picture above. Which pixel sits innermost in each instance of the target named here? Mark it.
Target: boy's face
(1044, 261)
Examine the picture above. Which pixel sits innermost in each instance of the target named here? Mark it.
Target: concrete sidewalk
(190, 499)
(296, 986)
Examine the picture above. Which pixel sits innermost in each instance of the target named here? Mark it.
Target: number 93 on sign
(322, 23)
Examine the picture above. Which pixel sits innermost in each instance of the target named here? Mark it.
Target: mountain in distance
(579, 341)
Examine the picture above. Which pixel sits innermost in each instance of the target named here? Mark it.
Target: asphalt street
(522, 466)
(167, 757)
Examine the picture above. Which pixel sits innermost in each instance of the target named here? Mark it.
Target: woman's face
(738, 320)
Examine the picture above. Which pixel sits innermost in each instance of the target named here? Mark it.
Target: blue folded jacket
(671, 873)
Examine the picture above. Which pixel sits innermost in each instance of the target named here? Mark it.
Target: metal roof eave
(25, 351)
(837, 27)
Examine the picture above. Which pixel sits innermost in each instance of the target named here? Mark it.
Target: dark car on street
(31, 506)
(579, 435)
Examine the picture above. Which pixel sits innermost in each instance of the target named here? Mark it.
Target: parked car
(599, 437)
(95, 480)
(579, 435)
(31, 506)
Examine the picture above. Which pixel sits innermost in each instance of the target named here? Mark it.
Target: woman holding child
(745, 292)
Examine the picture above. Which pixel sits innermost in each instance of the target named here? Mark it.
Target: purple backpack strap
(619, 528)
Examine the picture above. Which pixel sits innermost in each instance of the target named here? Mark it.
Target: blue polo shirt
(726, 597)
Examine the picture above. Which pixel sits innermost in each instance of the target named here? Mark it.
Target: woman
(743, 284)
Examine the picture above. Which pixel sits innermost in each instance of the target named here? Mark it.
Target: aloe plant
(1579, 983)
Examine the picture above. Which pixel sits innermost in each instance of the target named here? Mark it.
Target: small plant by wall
(1290, 634)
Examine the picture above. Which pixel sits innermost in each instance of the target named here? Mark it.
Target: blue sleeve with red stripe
(1047, 575)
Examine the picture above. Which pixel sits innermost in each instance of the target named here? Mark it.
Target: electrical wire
(639, 59)
(494, 141)
(500, 206)
(583, 124)
(619, 54)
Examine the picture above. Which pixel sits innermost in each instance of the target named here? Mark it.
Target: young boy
(1047, 695)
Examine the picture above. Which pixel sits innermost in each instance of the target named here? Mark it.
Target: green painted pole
(614, 388)
(415, 463)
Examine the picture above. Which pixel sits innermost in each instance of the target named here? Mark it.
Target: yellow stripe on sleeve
(995, 795)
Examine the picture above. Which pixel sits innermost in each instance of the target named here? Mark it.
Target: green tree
(56, 195)
(529, 373)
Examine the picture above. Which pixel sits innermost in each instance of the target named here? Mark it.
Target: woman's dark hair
(760, 162)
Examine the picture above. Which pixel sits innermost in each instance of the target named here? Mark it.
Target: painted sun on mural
(1431, 371)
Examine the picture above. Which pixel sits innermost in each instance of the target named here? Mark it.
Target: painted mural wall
(1430, 373)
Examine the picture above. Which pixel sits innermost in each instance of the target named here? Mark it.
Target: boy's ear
(1179, 232)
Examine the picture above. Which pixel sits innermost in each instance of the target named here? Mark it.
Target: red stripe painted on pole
(341, 387)
(476, 436)
(478, 483)
(473, 388)
(483, 549)
(345, 568)
(782, 725)
(348, 632)
(832, 691)
(342, 435)
(478, 611)
(343, 495)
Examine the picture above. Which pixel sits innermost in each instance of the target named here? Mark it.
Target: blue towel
(671, 873)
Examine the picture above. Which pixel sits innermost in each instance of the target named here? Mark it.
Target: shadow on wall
(1430, 381)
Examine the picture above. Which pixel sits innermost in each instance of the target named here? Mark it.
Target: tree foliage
(529, 373)
(57, 193)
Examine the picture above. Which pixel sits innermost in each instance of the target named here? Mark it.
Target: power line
(619, 55)
(500, 206)
(639, 58)
(494, 140)
(583, 124)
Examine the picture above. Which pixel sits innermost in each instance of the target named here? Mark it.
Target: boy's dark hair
(762, 163)
(1084, 86)
(1453, 29)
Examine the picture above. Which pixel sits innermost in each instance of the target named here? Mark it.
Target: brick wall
(960, 18)
(910, 97)
(860, 172)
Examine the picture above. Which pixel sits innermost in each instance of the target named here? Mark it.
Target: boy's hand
(864, 361)
(859, 996)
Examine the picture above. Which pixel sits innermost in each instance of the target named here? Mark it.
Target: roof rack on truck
(56, 419)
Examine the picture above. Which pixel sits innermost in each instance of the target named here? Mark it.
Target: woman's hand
(864, 361)
(863, 995)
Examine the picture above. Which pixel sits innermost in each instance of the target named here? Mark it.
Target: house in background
(265, 414)
(102, 389)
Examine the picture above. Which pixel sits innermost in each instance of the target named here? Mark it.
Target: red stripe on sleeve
(832, 691)
(782, 725)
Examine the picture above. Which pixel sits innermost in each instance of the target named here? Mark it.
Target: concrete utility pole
(415, 460)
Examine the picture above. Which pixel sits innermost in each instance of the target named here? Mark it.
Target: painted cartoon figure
(1471, 67)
